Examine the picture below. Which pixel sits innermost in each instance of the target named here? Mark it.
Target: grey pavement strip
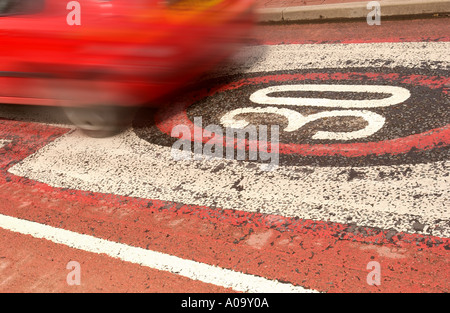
(352, 10)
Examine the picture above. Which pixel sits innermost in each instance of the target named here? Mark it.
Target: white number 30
(297, 120)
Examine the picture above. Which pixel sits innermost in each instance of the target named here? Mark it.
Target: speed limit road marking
(413, 121)
(296, 120)
(385, 196)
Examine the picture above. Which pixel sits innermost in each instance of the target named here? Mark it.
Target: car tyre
(100, 121)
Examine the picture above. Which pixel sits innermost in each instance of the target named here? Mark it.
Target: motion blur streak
(119, 53)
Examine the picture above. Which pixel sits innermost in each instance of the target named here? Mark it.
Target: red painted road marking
(33, 265)
(414, 30)
(431, 139)
(281, 248)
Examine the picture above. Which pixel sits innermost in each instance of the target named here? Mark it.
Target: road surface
(355, 200)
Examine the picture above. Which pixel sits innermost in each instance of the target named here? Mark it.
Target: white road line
(156, 260)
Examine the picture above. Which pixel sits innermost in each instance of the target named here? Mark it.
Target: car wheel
(100, 121)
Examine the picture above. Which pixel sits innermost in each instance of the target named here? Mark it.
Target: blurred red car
(94, 57)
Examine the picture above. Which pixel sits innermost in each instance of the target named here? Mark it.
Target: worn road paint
(290, 250)
(327, 194)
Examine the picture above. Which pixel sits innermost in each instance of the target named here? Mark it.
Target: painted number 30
(297, 120)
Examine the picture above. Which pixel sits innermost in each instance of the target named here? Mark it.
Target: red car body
(122, 53)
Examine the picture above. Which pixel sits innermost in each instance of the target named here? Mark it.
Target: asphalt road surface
(344, 186)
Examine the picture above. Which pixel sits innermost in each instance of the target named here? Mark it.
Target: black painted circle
(425, 110)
